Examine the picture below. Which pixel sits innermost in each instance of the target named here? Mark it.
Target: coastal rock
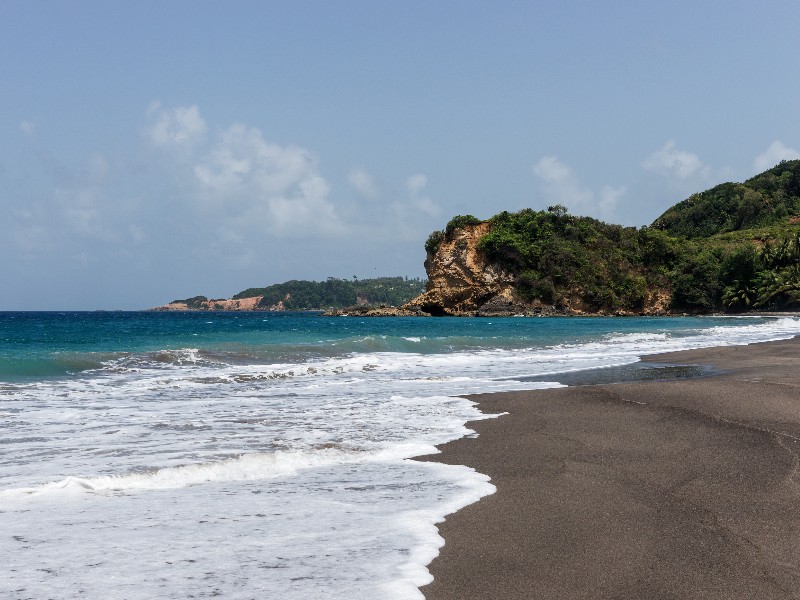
(463, 282)
(374, 311)
(502, 307)
(460, 279)
(201, 303)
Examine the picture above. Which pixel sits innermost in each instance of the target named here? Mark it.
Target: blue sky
(158, 150)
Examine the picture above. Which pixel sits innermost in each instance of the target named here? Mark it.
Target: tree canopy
(733, 247)
(336, 293)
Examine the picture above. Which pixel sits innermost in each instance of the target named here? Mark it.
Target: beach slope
(656, 490)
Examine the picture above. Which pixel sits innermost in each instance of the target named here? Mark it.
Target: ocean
(267, 455)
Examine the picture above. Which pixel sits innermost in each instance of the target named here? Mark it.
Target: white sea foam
(244, 468)
(244, 479)
(421, 523)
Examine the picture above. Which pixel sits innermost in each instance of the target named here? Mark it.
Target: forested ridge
(734, 247)
(319, 295)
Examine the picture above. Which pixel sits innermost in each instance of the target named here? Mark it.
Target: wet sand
(649, 490)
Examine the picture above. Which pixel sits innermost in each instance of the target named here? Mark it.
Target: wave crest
(247, 467)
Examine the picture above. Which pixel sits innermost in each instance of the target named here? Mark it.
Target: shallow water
(164, 455)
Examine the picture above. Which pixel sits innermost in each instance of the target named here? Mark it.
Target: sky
(151, 151)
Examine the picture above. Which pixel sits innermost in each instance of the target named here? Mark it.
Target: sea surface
(267, 455)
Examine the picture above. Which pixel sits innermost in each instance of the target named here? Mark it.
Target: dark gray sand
(646, 490)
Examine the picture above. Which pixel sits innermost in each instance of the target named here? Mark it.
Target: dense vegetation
(454, 224)
(556, 255)
(769, 277)
(767, 199)
(733, 247)
(337, 293)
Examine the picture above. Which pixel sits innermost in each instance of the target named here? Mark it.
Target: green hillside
(555, 254)
(734, 247)
(771, 198)
(336, 293)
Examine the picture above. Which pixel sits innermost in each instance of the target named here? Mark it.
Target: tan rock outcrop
(462, 282)
(374, 311)
(460, 279)
(221, 304)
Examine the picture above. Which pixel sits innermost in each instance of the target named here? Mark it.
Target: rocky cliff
(464, 281)
(461, 281)
(202, 303)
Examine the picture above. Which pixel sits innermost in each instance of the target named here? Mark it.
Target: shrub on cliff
(459, 222)
(433, 242)
(193, 302)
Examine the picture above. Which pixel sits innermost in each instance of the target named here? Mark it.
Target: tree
(558, 210)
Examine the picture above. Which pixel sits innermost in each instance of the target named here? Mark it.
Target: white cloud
(608, 199)
(258, 183)
(180, 127)
(233, 198)
(550, 169)
(363, 183)
(416, 183)
(416, 214)
(27, 128)
(80, 210)
(776, 152)
(419, 201)
(674, 163)
(560, 186)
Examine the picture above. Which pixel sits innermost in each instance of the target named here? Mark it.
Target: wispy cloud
(363, 183)
(560, 185)
(776, 152)
(674, 163)
(180, 127)
(418, 200)
(260, 183)
(414, 214)
(187, 190)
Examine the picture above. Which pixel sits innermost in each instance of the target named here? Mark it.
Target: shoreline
(682, 488)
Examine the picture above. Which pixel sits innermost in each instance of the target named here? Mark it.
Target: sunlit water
(253, 455)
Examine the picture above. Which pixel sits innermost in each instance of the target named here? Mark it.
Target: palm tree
(778, 282)
(779, 287)
(739, 296)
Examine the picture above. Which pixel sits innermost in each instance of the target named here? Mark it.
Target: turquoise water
(243, 455)
(53, 344)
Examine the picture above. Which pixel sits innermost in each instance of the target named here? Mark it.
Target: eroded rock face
(462, 282)
(244, 304)
(460, 279)
(374, 311)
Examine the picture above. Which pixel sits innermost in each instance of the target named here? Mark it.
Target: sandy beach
(649, 490)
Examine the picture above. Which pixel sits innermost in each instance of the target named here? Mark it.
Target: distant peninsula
(299, 295)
